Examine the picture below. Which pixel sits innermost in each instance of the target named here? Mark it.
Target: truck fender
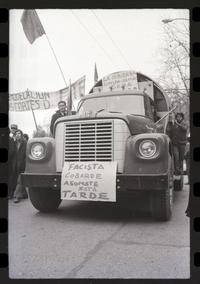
(159, 163)
(45, 165)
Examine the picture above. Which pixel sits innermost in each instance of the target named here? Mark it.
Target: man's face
(13, 130)
(62, 107)
(18, 135)
(179, 118)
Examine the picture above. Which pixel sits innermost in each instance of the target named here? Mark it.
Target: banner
(31, 100)
(78, 89)
(120, 80)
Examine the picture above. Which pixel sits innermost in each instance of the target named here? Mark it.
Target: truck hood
(136, 124)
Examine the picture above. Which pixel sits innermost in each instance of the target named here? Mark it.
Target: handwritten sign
(89, 181)
(120, 80)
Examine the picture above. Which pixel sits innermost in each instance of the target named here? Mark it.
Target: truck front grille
(91, 141)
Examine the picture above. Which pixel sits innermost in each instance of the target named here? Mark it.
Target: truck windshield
(130, 104)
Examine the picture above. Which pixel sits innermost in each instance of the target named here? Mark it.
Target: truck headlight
(147, 148)
(37, 151)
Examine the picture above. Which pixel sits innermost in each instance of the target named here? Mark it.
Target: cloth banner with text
(31, 100)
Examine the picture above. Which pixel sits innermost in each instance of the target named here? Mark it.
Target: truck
(122, 122)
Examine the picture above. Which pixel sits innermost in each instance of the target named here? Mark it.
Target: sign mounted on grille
(89, 181)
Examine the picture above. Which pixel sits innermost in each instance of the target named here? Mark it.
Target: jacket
(55, 116)
(179, 133)
(20, 157)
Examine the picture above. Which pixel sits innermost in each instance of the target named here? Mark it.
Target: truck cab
(117, 122)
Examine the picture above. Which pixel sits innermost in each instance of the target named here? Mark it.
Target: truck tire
(178, 184)
(44, 199)
(161, 205)
(162, 202)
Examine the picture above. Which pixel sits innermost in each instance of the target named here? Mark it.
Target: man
(12, 160)
(11, 166)
(169, 124)
(26, 137)
(179, 139)
(62, 111)
(187, 158)
(20, 156)
(13, 129)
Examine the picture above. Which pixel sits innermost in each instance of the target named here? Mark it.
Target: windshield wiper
(98, 111)
(114, 111)
(137, 114)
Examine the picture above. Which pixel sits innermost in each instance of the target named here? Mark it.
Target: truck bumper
(123, 182)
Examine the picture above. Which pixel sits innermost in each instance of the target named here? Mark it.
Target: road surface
(97, 240)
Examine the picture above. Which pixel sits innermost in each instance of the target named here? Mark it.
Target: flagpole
(33, 114)
(70, 98)
(56, 59)
(34, 118)
(95, 74)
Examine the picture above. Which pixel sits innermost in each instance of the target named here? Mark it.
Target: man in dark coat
(187, 158)
(20, 158)
(12, 180)
(179, 139)
(62, 111)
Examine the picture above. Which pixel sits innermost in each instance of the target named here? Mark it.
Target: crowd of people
(17, 155)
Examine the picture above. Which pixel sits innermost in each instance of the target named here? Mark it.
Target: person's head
(26, 136)
(179, 117)
(13, 128)
(62, 106)
(18, 135)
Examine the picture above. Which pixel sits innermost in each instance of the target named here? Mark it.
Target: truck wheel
(44, 199)
(178, 184)
(162, 202)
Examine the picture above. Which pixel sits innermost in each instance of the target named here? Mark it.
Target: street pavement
(98, 240)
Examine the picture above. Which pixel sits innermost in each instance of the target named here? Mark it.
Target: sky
(115, 39)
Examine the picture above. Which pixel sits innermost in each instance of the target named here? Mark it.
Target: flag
(95, 73)
(31, 25)
(69, 99)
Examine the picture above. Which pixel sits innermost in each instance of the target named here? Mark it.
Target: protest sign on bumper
(89, 181)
